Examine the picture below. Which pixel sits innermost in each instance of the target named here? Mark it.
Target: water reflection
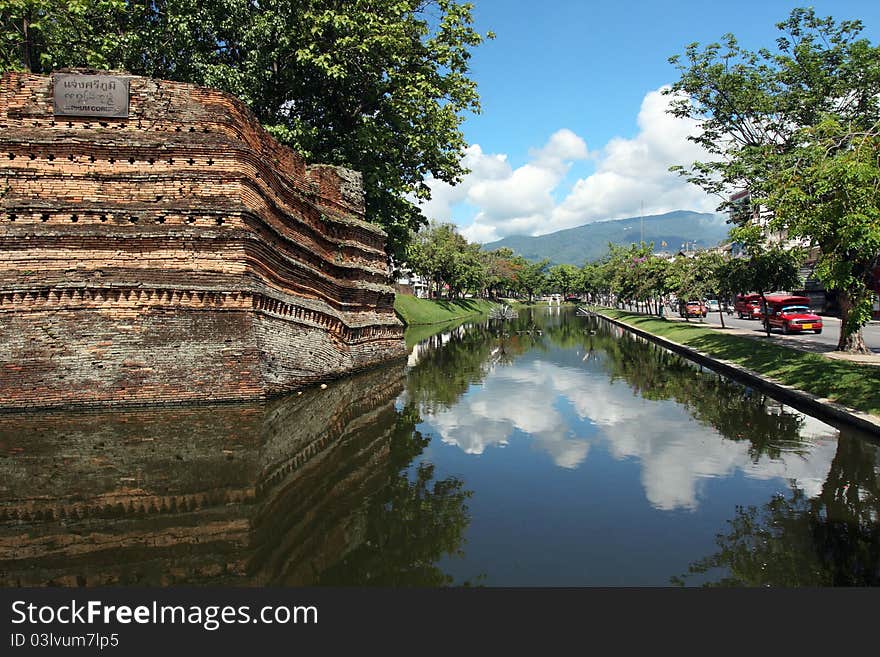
(293, 492)
(554, 387)
(570, 387)
(831, 538)
(547, 450)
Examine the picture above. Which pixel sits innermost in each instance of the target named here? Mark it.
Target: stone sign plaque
(91, 95)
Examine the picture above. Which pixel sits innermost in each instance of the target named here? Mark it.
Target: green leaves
(798, 129)
(380, 87)
(563, 278)
(41, 35)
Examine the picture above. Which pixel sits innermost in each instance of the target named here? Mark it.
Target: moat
(550, 450)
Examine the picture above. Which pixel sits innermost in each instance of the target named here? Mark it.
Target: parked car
(713, 306)
(692, 309)
(791, 314)
(747, 306)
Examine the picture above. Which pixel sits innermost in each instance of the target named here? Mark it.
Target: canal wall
(178, 253)
(824, 409)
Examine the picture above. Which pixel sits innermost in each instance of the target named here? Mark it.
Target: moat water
(551, 450)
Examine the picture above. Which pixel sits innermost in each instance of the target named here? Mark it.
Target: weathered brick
(184, 239)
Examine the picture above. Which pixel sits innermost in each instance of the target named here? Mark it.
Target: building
(743, 212)
(408, 282)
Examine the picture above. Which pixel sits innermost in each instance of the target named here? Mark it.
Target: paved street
(826, 341)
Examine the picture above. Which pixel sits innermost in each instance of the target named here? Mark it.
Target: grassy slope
(856, 386)
(413, 310)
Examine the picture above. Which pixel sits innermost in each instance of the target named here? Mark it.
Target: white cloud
(632, 171)
(629, 173)
(492, 412)
(563, 147)
(482, 167)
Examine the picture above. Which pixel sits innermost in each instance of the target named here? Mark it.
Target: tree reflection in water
(735, 412)
(830, 540)
(451, 363)
(411, 523)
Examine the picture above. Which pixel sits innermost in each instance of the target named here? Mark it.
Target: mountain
(578, 245)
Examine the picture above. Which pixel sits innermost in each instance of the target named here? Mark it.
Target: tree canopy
(380, 87)
(797, 128)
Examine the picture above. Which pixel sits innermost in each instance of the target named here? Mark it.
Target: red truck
(747, 306)
(790, 313)
(692, 309)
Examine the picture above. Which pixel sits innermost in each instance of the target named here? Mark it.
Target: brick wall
(178, 254)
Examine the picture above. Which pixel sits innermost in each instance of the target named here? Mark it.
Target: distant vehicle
(571, 298)
(747, 306)
(692, 309)
(791, 314)
(713, 306)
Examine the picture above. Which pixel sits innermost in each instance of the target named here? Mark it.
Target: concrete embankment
(820, 407)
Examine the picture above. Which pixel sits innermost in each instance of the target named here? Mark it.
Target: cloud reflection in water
(567, 410)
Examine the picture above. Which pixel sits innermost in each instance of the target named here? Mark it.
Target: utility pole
(642, 217)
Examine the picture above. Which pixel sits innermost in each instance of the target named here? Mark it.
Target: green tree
(826, 190)
(769, 266)
(593, 283)
(562, 278)
(35, 33)
(796, 128)
(470, 270)
(433, 252)
(442, 255)
(501, 270)
(691, 278)
(716, 270)
(380, 87)
(656, 280)
(532, 276)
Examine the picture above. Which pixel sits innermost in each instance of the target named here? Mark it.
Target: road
(826, 341)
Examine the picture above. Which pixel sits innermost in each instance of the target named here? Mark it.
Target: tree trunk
(27, 54)
(854, 342)
(764, 313)
(721, 314)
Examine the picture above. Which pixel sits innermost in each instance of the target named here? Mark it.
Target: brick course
(179, 254)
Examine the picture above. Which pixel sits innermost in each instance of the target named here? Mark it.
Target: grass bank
(413, 310)
(418, 332)
(850, 384)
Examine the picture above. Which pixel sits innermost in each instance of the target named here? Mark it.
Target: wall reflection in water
(296, 491)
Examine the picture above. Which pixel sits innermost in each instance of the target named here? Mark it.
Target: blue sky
(573, 127)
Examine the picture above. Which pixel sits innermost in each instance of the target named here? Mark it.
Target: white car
(713, 306)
